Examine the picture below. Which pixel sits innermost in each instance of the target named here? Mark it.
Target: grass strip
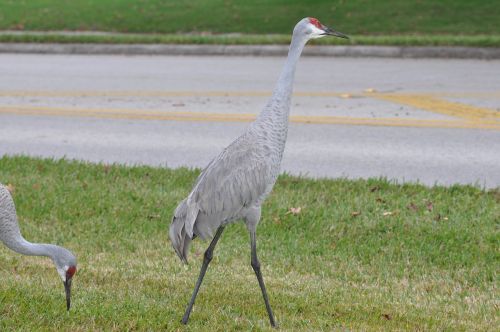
(360, 254)
(239, 39)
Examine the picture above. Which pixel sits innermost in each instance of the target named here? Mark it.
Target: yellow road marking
(475, 117)
(225, 117)
(438, 105)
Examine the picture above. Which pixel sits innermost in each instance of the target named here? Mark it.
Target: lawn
(261, 17)
(360, 255)
(230, 39)
(437, 22)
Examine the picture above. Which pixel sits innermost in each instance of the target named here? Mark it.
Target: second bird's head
(312, 28)
(65, 263)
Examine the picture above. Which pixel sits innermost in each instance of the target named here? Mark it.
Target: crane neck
(278, 106)
(284, 86)
(24, 247)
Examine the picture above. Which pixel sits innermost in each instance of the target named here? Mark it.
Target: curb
(254, 50)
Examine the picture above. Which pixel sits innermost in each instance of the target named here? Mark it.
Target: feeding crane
(236, 182)
(10, 235)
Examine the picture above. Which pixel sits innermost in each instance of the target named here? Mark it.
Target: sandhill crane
(234, 184)
(10, 235)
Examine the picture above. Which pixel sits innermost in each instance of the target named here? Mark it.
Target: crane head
(315, 29)
(65, 263)
(70, 272)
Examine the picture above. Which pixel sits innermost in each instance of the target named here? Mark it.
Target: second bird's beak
(67, 288)
(331, 32)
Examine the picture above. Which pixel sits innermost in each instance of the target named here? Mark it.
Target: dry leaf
(355, 213)
(412, 206)
(373, 189)
(379, 200)
(387, 316)
(10, 187)
(387, 213)
(294, 211)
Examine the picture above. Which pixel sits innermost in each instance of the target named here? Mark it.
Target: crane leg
(207, 257)
(256, 268)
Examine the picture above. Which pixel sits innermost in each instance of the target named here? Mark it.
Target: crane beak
(330, 32)
(67, 288)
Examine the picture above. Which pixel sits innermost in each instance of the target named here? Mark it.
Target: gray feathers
(238, 178)
(177, 233)
(11, 236)
(236, 182)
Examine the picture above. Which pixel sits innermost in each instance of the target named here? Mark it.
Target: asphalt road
(431, 121)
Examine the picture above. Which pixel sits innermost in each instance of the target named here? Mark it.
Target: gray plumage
(235, 183)
(10, 235)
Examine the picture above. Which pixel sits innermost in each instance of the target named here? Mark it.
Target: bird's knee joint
(255, 264)
(208, 256)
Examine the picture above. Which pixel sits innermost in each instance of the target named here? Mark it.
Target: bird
(10, 235)
(235, 183)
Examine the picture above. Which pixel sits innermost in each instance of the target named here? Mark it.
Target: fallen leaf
(294, 211)
(10, 187)
(387, 316)
(387, 213)
(412, 206)
(379, 200)
(36, 186)
(373, 189)
(19, 26)
(355, 213)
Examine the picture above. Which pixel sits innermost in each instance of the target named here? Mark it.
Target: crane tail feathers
(179, 238)
(181, 230)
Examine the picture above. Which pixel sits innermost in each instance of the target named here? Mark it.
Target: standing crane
(236, 182)
(10, 235)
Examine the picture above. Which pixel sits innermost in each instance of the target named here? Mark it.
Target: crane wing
(235, 179)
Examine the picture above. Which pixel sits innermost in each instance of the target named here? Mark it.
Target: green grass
(261, 17)
(392, 22)
(229, 39)
(432, 264)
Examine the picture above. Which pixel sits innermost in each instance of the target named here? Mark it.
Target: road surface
(428, 121)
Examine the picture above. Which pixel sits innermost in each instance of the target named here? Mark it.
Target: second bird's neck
(21, 246)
